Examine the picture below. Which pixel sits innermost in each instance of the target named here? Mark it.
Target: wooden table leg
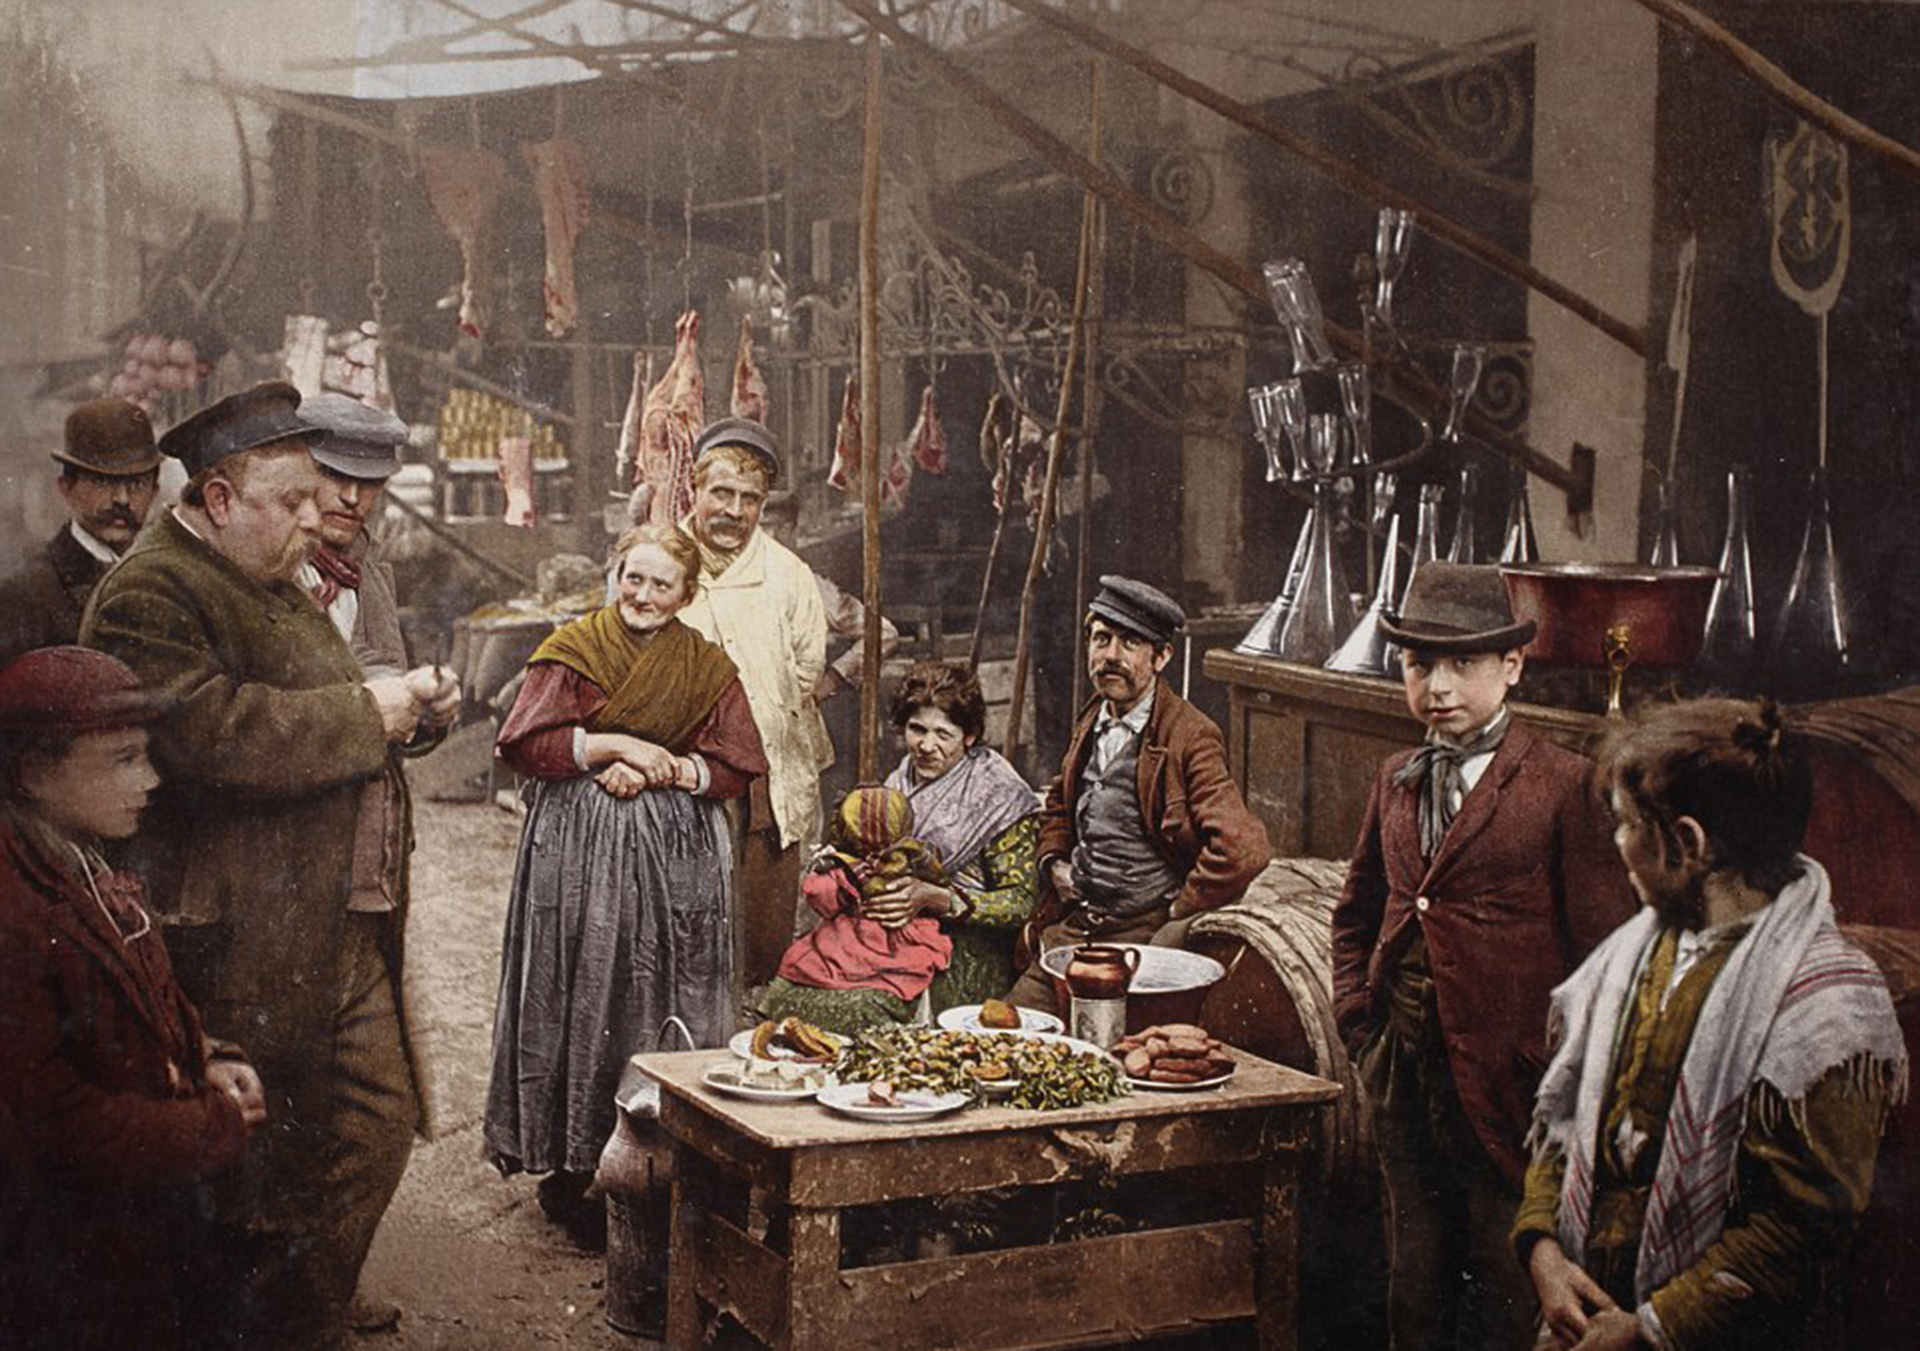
(813, 1266)
(683, 1256)
(1276, 1286)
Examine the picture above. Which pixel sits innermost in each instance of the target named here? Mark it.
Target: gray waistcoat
(1116, 864)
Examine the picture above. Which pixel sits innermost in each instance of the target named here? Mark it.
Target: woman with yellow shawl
(633, 729)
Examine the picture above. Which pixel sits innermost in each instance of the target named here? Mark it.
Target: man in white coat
(761, 603)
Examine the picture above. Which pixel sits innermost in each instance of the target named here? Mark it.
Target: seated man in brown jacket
(1144, 825)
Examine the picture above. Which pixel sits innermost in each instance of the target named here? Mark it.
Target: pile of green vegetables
(1047, 1074)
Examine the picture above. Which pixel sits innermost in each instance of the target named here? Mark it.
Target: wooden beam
(871, 441)
(1781, 85)
(1056, 449)
(1350, 176)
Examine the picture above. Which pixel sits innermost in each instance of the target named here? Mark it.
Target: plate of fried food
(787, 1039)
(879, 1100)
(997, 1015)
(1174, 1057)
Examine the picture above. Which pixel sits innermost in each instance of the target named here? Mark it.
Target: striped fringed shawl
(1795, 1001)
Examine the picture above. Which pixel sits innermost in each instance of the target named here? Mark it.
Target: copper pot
(1582, 607)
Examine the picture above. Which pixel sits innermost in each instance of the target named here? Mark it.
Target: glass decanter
(1297, 304)
(1732, 638)
(1809, 650)
(1426, 533)
(1322, 610)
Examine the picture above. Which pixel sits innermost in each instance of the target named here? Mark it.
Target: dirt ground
(465, 1253)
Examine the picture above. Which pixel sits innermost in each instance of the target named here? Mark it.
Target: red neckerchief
(337, 571)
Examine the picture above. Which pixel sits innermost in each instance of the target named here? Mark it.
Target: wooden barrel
(1276, 999)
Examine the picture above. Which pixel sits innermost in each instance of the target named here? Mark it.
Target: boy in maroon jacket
(1482, 875)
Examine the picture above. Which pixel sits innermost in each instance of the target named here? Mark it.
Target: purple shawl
(960, 812)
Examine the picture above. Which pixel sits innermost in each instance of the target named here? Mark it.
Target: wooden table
(761, 1191)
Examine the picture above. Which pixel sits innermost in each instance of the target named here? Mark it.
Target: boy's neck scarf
(1434, 771)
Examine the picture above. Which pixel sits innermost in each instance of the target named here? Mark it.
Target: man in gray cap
(357, 448)
(109, 472)
(761, 603)
(271, 739)
(1144, 826)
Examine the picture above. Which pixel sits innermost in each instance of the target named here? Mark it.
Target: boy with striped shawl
(1705, 1133)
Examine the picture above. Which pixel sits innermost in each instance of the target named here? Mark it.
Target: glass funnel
(1664, 552)
(1268, 429)
(1322, 610)
(1463, 379)
(1808, 652)
(1356, 401)
(1426, 533)
(1297, 304)
(1519, 545)
(1464, 548)
(1392, 242)
(1367, 650)
(1727, 652)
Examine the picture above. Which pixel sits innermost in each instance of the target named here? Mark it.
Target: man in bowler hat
(272, 738)
(1482, 875)
(109, 473)
(1144, 825)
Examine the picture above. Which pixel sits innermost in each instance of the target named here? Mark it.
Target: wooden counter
(761, 1191)
(1305, 743)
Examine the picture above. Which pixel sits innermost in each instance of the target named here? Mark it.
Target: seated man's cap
(744, 432)
(1138, 608)
(245, 421)
(355, 440)
(1459, 609)
(111, 437)
(65, 691)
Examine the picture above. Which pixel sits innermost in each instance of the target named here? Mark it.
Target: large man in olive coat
(272, 735)
(109, 473)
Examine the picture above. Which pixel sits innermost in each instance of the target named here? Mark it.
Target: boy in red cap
(115, 1102)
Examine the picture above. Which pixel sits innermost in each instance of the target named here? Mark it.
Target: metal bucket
(1169, 986)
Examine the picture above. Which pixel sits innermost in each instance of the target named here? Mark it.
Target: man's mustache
(1111, 671)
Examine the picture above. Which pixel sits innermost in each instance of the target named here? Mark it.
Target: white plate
(726, 1079)
(966, 1018)
(742, 1046)
(1151, 1086)
(912, 1105)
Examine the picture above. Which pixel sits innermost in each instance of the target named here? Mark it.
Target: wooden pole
(1007, 447)
(1090, 397)
(870, 449)
(1780, 84)
(1347, 175)
(1050, 490)
(1575, 482)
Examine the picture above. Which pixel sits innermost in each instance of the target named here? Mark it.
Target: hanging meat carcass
(670, 423)
(928, 439)
(463, 186)
(516, 476)
(847, 452)
(560, 181)
(845, 469)
(749, 386)
(627, 459)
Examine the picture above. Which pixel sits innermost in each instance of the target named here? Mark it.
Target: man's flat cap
(1457, 608)
(355, 440)
(1138, 608)
(245, 421)
(745, 433)
(65, 691)
(111, 437)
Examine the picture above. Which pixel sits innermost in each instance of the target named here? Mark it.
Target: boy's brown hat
(1457, 608)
